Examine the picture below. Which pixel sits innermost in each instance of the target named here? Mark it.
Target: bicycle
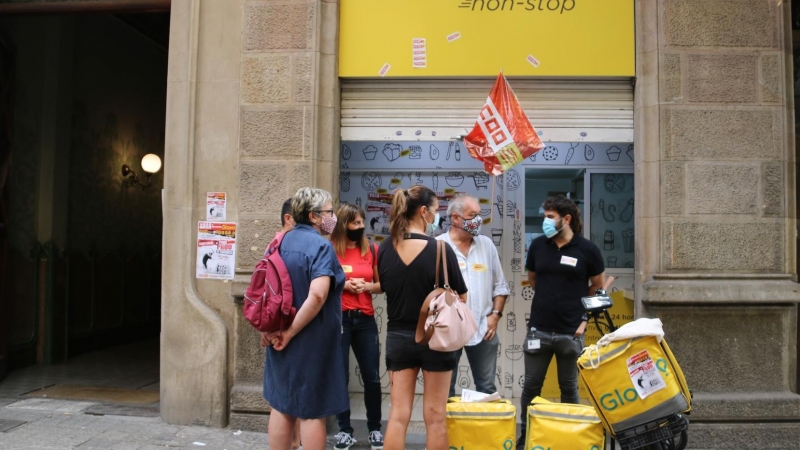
(666, 433)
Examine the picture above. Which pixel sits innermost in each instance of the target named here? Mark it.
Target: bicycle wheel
(677, 442)
(681, 440)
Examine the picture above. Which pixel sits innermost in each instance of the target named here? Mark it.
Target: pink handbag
(445, 322)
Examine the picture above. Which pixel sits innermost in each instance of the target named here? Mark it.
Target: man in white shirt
(480, 267)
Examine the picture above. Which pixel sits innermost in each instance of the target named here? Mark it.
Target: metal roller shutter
(561, 110)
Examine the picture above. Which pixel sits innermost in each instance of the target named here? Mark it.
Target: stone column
(194, 338)
(289, 135)
(715, 210)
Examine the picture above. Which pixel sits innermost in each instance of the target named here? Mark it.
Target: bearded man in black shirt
(563, 266)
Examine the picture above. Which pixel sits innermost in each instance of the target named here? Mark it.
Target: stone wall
(715, 203)
(252, 110)
(289, 134)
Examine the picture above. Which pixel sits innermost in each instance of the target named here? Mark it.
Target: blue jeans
(566, 348)
(482, 359)
(362, 333)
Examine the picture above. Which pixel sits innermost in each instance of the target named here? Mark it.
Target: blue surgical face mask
(549, 227)
(432, 226)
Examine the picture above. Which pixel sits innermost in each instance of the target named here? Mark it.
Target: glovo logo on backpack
(612, 401)
(633, 381)
(539, 447)
(508, 444)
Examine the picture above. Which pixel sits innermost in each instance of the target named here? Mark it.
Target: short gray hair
(308, 199)
(458, 204)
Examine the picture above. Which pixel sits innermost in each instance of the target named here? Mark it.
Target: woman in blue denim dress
(304, 376)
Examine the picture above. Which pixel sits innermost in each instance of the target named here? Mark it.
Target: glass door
(543, 183)
(610, 222)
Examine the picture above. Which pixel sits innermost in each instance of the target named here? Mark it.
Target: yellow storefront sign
(437, 38)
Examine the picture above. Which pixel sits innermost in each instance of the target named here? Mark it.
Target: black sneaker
(344, 440)
(376, 440)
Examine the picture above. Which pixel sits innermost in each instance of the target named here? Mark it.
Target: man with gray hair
(487, 288)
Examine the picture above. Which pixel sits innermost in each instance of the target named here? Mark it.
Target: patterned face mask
(327, 225)
(472, 226)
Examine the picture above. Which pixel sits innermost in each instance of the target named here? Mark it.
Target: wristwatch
(499, 313)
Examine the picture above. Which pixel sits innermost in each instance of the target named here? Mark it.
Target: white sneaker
(344, 440)
(376, 440)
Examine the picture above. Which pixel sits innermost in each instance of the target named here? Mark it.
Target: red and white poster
(215, 206)
(503, 136)
(216, 250)
(644, 374)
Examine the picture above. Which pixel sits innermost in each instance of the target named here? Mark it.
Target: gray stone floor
(49, 424)
(46, 424)
(131, 366)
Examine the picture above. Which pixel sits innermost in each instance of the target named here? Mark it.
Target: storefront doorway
(597, 175)
(81, 305)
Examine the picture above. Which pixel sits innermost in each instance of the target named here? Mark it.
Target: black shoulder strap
(422, 237)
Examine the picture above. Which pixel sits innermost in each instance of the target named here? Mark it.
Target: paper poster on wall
(216, 250)
(215, 206)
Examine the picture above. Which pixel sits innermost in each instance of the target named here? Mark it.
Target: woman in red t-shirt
(359, 260)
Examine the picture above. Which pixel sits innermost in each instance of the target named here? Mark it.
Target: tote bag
(445, 322)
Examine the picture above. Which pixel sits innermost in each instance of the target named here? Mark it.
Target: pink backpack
(268, 298)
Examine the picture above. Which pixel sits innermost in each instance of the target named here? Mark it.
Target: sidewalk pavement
(49, 424)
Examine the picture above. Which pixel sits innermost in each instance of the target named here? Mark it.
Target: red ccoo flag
(503, 136)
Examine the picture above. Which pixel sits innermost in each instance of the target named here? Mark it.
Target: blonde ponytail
(398, 223)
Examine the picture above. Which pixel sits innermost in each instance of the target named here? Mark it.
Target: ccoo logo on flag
(503, 136)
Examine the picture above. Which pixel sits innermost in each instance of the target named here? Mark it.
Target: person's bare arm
(375, 286)
(597, 282)
(317, 294)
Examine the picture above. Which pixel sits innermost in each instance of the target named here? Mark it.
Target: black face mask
(355, 235)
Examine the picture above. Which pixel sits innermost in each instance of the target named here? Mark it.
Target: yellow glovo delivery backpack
(563, 426)
(481, 425)
(633, 378)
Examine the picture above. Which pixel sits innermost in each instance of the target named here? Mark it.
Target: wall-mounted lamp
(151, 164)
